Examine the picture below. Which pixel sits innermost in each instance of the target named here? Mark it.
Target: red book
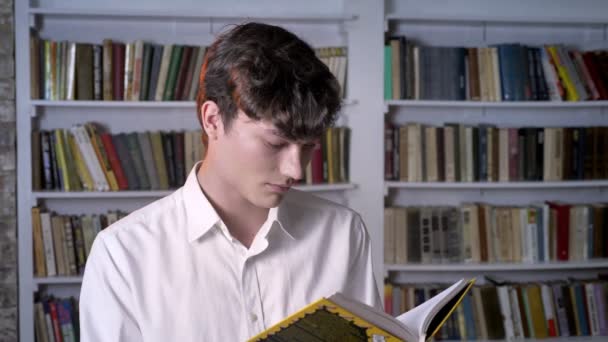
(513, 154)
(108, 145)
(316, 164)
(55, 320)
(388, 151)
(591, 64)
(118, 70)
(563, 229)
(182, 73)
(552, 327)
(388, 299)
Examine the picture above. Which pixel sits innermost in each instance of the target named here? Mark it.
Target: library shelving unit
(360, 26)
(481, 23)
(320, 23)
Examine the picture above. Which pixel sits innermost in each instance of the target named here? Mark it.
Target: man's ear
(211, 120)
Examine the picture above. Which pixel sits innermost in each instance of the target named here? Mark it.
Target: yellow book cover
(63, 166)
(81, 167)
(102, 156)
(159, 160)
(539, 323)
(339, 318)
(39, 260)
(330, 157)
(577, 331)
(571, 94)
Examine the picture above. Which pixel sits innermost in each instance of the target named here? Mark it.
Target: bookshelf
(318, 22)
(474, 23)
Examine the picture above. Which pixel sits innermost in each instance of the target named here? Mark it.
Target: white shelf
(57, 280)
(494, 104)
(163, 193)
(183, 15)
(326, 187)
(132, 104)
(100, 194)
(496, 19)
(500, 267)
(590, 184)
(115, 104)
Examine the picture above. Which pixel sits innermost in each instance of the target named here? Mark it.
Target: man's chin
(271, 200)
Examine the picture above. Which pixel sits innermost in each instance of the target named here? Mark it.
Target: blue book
(581, 309)
(510, 73)
(540, 234)
(467, 305)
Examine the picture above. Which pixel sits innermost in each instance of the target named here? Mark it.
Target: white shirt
(171, 271)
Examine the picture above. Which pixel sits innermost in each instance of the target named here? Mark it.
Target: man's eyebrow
(275, 132)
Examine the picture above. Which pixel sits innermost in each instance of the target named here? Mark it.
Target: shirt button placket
(252, 298)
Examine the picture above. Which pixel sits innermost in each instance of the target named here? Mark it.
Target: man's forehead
(267, 127)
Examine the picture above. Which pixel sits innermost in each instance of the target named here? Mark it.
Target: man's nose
(291, 165)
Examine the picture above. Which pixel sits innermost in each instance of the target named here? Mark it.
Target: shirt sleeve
(106, 300)
(362, 283)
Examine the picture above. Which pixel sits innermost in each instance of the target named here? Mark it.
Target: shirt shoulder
(306, 211)
(309, 203)
(147, 221)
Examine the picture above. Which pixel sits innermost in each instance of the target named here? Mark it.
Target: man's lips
(279, 188)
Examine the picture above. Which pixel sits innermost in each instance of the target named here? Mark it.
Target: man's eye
(275, 146)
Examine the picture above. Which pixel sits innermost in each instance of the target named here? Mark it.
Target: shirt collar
(201, 216)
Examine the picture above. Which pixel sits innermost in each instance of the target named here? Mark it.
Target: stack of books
(62, 242)
(474, 233)
(515, 311)
(456, 152)
(86, 157)
(501, 72)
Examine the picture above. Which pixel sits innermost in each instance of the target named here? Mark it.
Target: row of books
(330, 161)
(515, 311)
(62, 242)
(56, 319)
(474, 233)
(456, 152)
(86, 157)
(134, 71)
(501, 72)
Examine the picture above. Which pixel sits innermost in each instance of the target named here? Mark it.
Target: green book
(138, 160)
(145, 72)
(388, 73)
(176, 57)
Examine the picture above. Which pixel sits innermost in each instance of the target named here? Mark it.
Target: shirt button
(253, 317)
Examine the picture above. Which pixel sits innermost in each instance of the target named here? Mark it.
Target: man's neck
(241, 217)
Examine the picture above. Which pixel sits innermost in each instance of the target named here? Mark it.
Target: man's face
(258, 163)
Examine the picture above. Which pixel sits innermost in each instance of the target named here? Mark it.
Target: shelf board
(58, 280)
(497, 185)
(162, 193)
(501, 267)
(114, 104)
(494, 104)
(131, 104)
(497, 19)
(183, 15)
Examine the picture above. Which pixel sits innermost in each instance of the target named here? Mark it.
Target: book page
(418, 318)
(378, 318)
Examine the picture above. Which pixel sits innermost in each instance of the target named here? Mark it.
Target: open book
(339, 318)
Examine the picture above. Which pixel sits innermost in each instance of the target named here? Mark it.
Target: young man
(235, 250)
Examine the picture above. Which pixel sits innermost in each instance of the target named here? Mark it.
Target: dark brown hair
(269, 73)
